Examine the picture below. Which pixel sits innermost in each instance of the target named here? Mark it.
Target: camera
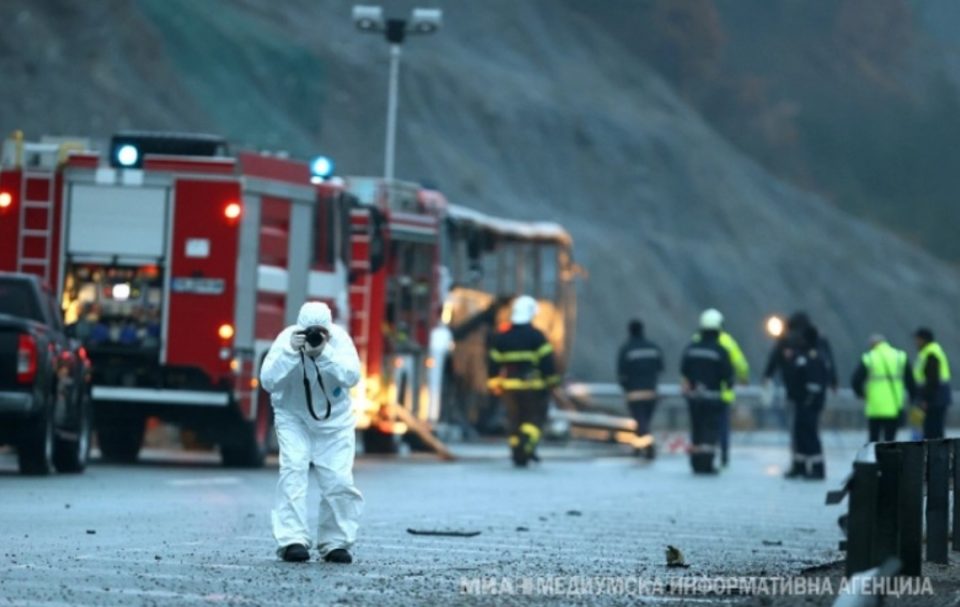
(315, 336)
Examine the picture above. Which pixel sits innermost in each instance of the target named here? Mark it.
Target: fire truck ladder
(36, 180)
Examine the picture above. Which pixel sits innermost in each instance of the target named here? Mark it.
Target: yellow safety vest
(931, 349)
(884, 391)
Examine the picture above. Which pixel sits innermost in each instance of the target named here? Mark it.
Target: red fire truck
(177, 264)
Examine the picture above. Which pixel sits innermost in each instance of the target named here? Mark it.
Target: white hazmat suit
(329, 443)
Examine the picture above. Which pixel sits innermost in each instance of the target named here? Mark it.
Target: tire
(377, 442)
(248, 443)
(71, 453)
(120, 436)
(35, 448)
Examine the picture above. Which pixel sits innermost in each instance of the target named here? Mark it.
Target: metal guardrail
(887, 516)
(751, 411)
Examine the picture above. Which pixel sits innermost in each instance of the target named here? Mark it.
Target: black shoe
(340, 555)
(519, 452)
(797, 471)
(817, 472)
(652, 452)
(295, 553)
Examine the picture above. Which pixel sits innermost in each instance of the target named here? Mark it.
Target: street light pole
(392, 102)
(370, 19)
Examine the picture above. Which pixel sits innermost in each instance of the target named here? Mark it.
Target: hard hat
(711, 320)
(523, 311)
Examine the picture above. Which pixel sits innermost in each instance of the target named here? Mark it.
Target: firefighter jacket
(706, 367)
(639, 365)
(807, 377)
(786, 348)
(741, 368)
(521, 358)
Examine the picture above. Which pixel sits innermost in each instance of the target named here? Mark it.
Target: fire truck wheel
(71, 451)
(121, 437)
(35, 450)
(246, 446)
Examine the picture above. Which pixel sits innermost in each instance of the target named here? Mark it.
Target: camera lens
(315, 337)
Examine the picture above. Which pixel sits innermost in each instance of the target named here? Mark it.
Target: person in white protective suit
(308, 372)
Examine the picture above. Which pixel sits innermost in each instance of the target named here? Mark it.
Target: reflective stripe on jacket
(919, 369)
(521, 358)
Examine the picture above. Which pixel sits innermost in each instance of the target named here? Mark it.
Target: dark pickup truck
(44, 381)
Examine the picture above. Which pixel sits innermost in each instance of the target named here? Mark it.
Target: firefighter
(741, 371)
(883, 379)
(931, 372)
(308, 372)
(639, 365)
(705, 370)
(522, 372)
(787, 345)
(807, 381)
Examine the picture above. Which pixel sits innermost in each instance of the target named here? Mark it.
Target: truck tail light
(232, 211)
(26, 359)
(225, 331)
(6, 200)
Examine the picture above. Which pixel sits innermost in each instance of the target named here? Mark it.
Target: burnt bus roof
(509, 228)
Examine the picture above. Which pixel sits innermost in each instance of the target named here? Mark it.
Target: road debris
(447, 533)
(675, 557)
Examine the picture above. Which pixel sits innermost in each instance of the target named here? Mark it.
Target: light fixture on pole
(422, 21)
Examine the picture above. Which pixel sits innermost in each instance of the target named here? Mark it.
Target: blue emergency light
(321, 167)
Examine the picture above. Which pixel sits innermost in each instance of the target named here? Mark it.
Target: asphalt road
(179, 530)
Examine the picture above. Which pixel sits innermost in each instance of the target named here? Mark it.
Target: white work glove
(297, 341)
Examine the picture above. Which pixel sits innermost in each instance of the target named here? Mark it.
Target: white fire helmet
(711, 320)
(523, 311)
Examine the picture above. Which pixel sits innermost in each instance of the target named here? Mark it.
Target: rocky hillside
(531, 109)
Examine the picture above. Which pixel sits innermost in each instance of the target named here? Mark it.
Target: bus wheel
(246, 446)
(120, 434)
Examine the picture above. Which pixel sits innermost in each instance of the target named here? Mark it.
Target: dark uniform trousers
(808, 449)
(642, 412)
(525, 407)
(935, 415)
(885, 426)
(705, 419)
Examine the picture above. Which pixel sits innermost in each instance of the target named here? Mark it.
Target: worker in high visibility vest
(931, 371)
(884, 380)
(522, 372)
(741, 371)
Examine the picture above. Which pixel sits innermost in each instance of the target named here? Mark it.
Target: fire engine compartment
(116, 313)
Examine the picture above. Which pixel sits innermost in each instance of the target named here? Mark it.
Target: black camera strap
(309, 392)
